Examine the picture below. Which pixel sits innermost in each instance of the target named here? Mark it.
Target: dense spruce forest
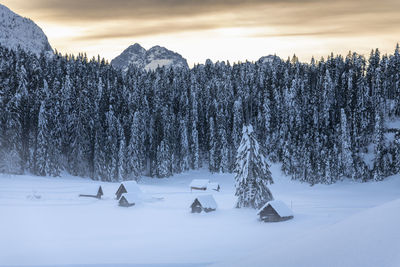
(323, 121)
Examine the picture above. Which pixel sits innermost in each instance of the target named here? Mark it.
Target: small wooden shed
(127, 200)
(275, 211)
(95, 192)
(213, 186)
(204, 203)
(130, 187)
(199, 184)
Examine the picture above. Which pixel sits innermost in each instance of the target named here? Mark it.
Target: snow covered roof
(207, 201)
(200, 183)
(131, 198)
(91, 190)
(279, 207)
(132, 187)
(212, 186)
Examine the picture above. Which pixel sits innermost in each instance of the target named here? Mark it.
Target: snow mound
(213, 186)
(368, 239)
(132, 187)
(199, 183)
(91, 189)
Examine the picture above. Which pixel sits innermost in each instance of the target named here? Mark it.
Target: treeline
(323, 121)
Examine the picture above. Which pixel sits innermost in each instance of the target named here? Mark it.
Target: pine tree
(212, 165)
(41, 152)
(195, 156)
(252, 172)
(135, 149)
(163, 160)
(184, 147)
(347, 163)
(379, 161)
(397, 153)
(121, 154)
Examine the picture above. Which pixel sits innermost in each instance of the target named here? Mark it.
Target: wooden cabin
(213, 186)
(127, 200)
(204, 203)
(95, 192)
(275, 211)
(199, 184)
(130, 187)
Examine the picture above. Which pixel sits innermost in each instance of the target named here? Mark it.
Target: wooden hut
(95, 192)
(275, 211)
(204, 203)
(199, 184)
(130, 187)
(213, 186)
(128, 200)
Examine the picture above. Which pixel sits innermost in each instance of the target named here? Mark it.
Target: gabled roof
(199, 183)
(279, 207)
(207, 201)
(131, 198)
(132, 187)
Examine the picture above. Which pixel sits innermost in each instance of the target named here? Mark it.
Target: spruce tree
(163, 160)
(135, 149)
(252, 172)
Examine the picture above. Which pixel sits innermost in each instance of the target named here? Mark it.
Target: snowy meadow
(45, 223)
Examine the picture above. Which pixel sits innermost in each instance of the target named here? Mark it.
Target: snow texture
(347, 224)
(16, 31)
(207, 201)
(200, 183)
(279, 207)
(212, 186)
(252, 172)
(90, 190)
(132, 187)
(151, 59)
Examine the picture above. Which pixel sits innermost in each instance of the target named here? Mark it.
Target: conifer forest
(323, 121)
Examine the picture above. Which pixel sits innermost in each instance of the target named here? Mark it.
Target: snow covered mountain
(18, 31)
(148, 59)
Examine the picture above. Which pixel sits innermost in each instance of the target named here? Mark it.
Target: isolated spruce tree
(252, 172)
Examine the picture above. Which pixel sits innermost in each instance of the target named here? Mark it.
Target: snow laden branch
(252, 172)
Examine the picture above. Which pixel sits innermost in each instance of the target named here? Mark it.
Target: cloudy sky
(217, 29)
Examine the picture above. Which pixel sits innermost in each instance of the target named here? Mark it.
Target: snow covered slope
(45, 222)
(149, 60)
(18, 31)
(367, 239)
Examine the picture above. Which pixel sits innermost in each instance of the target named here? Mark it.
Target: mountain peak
(135, 47)
(157, 56)
(17, 31)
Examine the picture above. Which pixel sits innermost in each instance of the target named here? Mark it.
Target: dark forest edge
(323, 121)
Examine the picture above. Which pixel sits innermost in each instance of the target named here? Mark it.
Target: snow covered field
(345, 224)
